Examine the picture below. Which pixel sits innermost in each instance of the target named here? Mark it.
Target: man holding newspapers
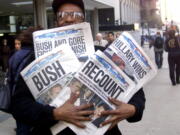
(36, 119)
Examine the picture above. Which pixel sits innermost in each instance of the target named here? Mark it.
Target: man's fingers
(82, 113)
(83, 107)
(108, 121)
(74, 96)
(109, 112)
(115, 101)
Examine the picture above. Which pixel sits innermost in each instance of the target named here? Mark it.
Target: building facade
(129, 11)
(150, 16)
(17, 15)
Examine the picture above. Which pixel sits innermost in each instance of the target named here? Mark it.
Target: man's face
(69, 14)
(4, 42)
(118, 61)
(87, 93)
(76, 86)
(17, 44)
(98, 111)
(55, 91)
(110, 37)
(98, 37)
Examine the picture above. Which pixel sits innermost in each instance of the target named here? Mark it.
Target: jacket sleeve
(138, 100)
(25, 109)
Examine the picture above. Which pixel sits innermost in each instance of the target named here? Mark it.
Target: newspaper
(78, 36)
(51, 69)
(131, 59)
(98, 79)
(48, 74)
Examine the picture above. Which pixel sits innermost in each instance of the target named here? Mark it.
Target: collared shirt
(100, 43)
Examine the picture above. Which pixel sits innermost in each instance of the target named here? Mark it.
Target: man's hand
(73, 114)
(122, 111)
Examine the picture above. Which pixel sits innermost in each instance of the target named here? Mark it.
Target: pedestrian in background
(110, 38)
(173, 49)
(158, 50)
(100, 41)
(5, 54)
(17, 45)
(142, 40)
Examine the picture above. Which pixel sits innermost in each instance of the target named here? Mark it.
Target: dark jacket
(40, 117)
(172, 46)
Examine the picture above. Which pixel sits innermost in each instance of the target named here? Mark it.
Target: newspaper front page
(131, 59)
(97, 80)
(78, 36)
(48, 74)
(53, 69)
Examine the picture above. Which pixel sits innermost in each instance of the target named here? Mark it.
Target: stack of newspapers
(65, 57)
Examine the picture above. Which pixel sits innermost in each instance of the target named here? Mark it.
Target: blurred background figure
(142, 40)
(173, 49)
(5, 54)
(158, 50)
(100, 41)
(110, 38)
(17, 45)
(118, 34)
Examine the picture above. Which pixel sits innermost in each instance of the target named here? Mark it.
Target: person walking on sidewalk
(5, 53)
(158, 50)
(173, 49)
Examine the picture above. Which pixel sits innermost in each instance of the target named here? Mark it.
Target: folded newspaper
(131, 59)
(78, 36)
(98, 79)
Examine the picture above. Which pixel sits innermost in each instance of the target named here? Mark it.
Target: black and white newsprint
(98, 79)
(50, 70)
(131, 59)
(78, 36)
(48, 74)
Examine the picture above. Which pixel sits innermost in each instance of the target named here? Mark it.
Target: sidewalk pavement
(162, 112)
(7, 124)
(161, 115)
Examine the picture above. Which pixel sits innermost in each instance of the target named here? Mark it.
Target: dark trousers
(159, 58)
(174, 68)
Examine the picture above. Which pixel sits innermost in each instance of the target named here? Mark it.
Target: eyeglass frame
(71, 14)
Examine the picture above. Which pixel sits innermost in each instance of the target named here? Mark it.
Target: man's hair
(26, 36)
(58, 3)
(111, 33)
(171, 33)
(158, 33)
(99, 34)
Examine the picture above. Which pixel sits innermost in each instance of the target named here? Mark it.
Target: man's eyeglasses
(75, 15)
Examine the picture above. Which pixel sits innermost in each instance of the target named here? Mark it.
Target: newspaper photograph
(77, 36)
(97, 80)
(131, 59)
